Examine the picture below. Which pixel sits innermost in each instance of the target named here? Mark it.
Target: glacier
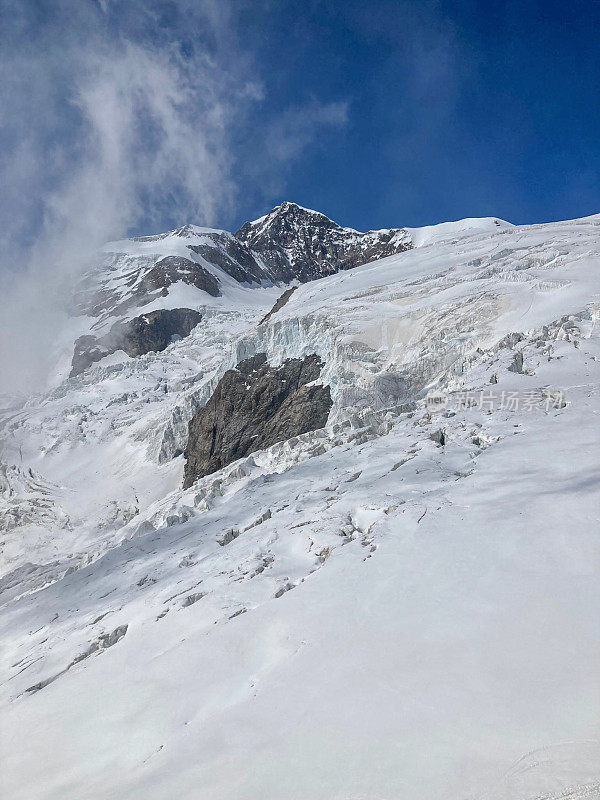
(402, 604)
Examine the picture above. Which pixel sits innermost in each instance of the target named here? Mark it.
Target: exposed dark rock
(281, 301)
(294, 242)
(172, 269)
(87, 351)
(154, 331)
(439, 437)
(517, 364)
(233, 257)
(254, 406)
(151, 332)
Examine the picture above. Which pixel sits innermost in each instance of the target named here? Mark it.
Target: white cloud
(291, 132)
(148, 130)
(114, 120)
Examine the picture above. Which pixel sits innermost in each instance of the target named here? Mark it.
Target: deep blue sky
(135, 116)
(501, 117)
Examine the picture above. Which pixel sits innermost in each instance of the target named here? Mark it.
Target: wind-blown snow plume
(108, 127)
(113, 123)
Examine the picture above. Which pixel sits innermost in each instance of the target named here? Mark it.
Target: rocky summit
(297, 243)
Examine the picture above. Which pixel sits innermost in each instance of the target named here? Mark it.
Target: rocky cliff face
(254, 406)
(137, 282)
(295, 242)
(171, 269)
(152, 332)
(233, 257)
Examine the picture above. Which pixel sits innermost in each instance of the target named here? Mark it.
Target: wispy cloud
(289, 134)
(118, 117)
(112, 128)
(282, 141)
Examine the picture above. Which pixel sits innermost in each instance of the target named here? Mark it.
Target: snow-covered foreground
(402, 605)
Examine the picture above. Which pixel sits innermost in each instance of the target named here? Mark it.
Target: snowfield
(402, 605)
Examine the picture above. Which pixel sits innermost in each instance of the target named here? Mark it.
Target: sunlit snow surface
(360, 613)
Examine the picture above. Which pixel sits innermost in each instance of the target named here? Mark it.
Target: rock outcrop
(172, 269)
(151, 332)
(233, 257)
(295, 242)
(114, 291)
(254, 406)
(87, 351)
(279, 304)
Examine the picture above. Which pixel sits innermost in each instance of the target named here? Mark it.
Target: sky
(137, 116)
(455, 108)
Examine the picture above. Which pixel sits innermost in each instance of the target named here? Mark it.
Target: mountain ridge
(192, 266)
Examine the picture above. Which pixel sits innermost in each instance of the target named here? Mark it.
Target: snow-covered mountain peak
(193, 266)
(289, 220)
(285, 216)
(302, 244)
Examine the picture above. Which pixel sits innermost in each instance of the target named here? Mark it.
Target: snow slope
(401, 605)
